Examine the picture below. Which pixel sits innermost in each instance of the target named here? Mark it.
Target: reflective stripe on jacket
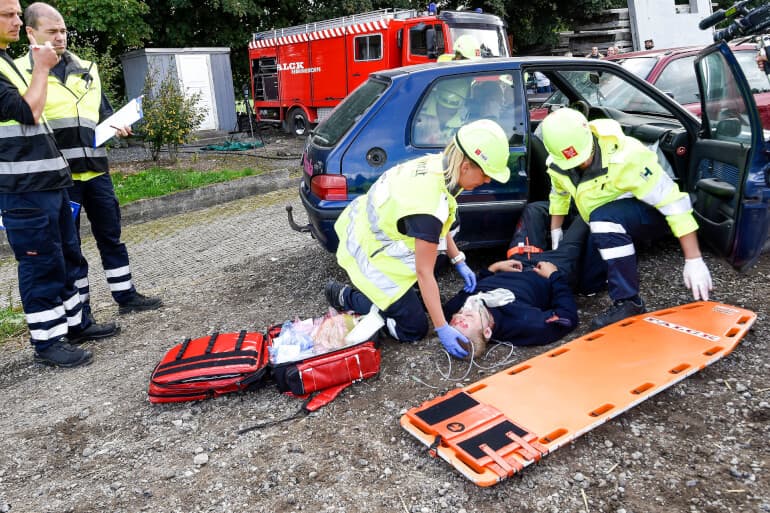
(628, 170)
(29, 159)
(378, 258)
(72, 112)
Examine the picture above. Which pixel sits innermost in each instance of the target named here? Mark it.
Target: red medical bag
(222, 363)
(210, 366)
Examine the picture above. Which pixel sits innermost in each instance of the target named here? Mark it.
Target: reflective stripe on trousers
(615, 228)
(97, 197)
(41, 232)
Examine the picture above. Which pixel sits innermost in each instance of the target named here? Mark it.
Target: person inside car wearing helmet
(621, 191)
(525, 300)
(466, 47)
(443, 113)
(389, 237)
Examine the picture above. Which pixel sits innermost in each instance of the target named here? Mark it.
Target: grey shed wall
(163, 61)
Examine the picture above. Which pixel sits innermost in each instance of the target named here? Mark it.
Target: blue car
(399, 114)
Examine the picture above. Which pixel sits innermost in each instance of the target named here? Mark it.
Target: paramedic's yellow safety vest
(629, 170)
(379, 259)
(29, 160)
(72, 111)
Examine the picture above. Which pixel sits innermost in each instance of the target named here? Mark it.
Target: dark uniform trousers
(588, 275)
(97, 197)
(41, 232)
(405, 319)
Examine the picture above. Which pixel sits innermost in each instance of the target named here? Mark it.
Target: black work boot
(62, 354)
(139, 303)
(94, 331)
(621, 309)
(334, 292)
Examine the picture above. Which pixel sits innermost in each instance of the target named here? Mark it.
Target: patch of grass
(157, 181)
(12, 322)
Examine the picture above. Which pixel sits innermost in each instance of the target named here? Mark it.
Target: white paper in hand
(126, 116)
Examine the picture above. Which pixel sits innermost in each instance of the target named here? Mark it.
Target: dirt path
(87, 440)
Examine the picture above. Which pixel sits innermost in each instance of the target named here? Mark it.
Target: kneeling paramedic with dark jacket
(624, 195)
(389, 237)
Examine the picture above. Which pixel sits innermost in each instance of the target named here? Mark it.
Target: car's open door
(729, 162)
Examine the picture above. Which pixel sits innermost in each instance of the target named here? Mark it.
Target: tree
(108, 26)
(170, 116)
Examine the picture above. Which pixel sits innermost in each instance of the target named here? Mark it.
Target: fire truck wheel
(296, 122)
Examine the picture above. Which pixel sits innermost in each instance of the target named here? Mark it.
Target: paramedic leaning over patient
(625, 196)
(389, 237)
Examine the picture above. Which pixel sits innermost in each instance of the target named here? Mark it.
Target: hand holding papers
(129, 114)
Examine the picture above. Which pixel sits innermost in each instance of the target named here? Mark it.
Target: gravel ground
(87, 440)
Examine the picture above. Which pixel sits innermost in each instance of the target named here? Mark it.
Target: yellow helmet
(467, 46)
(567, 137)
(452, 93)
(485, 143)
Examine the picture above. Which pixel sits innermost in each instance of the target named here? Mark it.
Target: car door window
(726, 114)
(757, 78)
(606, 89)
(678, 80)
(452, 102)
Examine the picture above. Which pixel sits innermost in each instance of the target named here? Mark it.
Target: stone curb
(188, 201)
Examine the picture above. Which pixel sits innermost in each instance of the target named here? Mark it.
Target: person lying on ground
(526, 300)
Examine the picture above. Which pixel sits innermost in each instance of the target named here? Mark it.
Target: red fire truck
(299, 74)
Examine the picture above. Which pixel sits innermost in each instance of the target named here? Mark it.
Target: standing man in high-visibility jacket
(35, 207)
(74, 107)
(622, 192)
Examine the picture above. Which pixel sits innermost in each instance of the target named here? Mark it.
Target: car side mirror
(594, 78)
(729, 127)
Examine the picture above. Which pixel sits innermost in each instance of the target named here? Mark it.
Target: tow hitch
(294, 226)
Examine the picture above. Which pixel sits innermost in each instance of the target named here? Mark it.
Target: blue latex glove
(468, 276)
(450, 338)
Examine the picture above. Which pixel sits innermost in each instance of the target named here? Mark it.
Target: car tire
(297, 123)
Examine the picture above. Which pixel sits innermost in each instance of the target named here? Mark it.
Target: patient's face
(468, 321)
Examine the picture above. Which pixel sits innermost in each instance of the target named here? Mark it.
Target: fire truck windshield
(491, 39)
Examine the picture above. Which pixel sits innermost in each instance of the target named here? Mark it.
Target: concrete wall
(667, 24)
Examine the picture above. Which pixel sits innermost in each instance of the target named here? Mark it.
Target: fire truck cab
(299, 74)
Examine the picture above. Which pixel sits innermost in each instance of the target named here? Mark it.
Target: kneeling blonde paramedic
(624, 195)
(389, 237)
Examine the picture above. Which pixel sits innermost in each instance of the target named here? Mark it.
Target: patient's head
(475, 322)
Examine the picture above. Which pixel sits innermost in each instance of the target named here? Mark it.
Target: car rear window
(639, 66)
(330, 130)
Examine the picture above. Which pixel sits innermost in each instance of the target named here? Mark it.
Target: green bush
(170, 116)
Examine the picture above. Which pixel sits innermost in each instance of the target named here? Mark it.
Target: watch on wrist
(460, 257)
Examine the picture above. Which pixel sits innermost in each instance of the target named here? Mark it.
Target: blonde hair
(477, 338)
(453, 159)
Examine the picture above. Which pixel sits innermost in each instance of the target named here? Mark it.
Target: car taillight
(329, 187)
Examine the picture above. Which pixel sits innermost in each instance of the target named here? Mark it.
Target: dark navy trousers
(41, 232)
(615, 230)
(97, 198)
(586, 273)
(405, 319)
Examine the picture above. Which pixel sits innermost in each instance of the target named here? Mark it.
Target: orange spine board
(555, 397)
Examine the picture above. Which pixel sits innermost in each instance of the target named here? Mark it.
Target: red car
(672, 71)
